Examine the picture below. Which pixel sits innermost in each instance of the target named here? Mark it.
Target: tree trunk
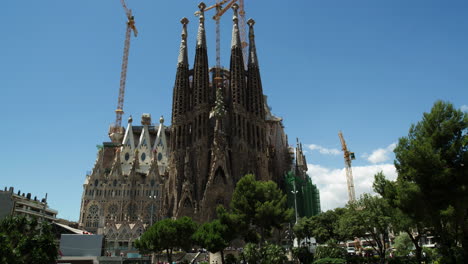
(222, 256)
(261, 236)
(382, 257)
(415, 241)
(418, 253)
(169, 255)
(465, 238)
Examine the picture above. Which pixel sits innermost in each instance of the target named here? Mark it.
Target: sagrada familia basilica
(221, 129)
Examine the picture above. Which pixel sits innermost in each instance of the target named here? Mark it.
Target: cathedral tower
(219, 128)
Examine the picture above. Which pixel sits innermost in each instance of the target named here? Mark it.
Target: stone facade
(121, 196)
(221, 129)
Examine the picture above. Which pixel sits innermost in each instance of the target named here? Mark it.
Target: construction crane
(220, 10)
(116, 132)
(348, 157)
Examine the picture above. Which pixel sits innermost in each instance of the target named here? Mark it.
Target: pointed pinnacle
(251, 23)
(235, 7)
(202, 6)
(184, 21)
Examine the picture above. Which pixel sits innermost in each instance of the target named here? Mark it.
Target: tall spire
(183, 57)
(180, 100)
(201, 38)
(200, 67)
(237, 64)
(254, 82)
(252, 49)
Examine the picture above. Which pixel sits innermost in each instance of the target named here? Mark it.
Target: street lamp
(295, 199)
(152, 197)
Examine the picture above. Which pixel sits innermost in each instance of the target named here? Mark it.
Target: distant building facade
(12, 204)
(301, 192)
(121, 196)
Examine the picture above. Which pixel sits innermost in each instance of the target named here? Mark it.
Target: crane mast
(116, 131)
(348, 156)
(220, 10)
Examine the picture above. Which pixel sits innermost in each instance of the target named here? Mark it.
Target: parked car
(351, 250)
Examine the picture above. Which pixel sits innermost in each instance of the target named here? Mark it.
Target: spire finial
(252, 48)
(183, 57)
(235, 7)
(202, 6)
(161, 119)
(201, 42)
(235, 42)
(184, 21)
(130, 119)
(251, 23)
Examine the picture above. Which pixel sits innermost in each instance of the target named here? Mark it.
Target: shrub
(354, 259)
(230, 259)
(330, 261)
(330, 252)
(268, 254)
(402, 260)
(303, 254)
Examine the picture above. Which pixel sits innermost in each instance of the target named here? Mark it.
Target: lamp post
(152, 197)
(295, 199)
(294, 191)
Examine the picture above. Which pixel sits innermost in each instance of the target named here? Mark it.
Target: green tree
(212, 236)
(322, 227)
(402, 221)
(303, 254)
(259, 207)
(266, 254)
(167, 235)
(403, 244)
(24, 240)
(330, 251)
(432, 166)
(369, 217)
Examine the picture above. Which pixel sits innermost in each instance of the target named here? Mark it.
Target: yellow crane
(348, 157)
(220, 10)
(116, 131)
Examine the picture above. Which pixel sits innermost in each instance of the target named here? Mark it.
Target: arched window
(92, 220)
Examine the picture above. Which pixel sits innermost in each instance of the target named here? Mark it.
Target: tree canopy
(213, 236)
(259, 206)
(323, 227)
(368, 217)
(24, 240)
(432, 183)
(166, 235)
(402, 221)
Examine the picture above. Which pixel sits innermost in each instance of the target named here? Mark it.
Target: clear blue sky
(369, 68)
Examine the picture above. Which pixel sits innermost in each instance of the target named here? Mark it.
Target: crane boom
(116, 129)
(220, 10)
(348, 156)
